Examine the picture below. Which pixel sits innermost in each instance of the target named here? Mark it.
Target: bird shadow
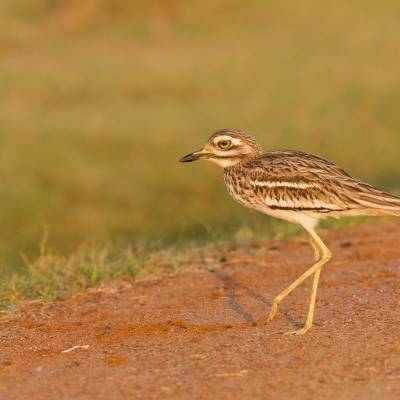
(232, 286)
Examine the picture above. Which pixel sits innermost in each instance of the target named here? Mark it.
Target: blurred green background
(100, 98)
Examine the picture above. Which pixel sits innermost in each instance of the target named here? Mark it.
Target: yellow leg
(317, 252)
(324, 255)
(310, 315)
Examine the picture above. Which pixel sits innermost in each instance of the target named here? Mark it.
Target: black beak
(190, 157)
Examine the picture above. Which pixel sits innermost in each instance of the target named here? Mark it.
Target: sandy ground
(203, 334)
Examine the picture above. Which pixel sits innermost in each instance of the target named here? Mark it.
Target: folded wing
(293, 180)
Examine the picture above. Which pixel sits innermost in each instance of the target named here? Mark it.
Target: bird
(294, 186)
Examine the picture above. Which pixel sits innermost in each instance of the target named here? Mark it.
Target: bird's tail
(378, 202)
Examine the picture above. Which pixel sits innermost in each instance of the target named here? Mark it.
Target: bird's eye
(225, 144)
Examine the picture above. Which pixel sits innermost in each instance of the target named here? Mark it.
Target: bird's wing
(301, 181)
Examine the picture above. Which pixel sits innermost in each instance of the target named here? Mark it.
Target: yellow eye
(225, 144)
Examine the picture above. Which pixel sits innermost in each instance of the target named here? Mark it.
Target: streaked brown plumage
(294, 186)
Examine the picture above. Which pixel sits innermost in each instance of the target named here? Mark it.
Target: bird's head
(226, 148)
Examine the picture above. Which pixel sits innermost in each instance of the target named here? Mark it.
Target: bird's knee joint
(326, 256)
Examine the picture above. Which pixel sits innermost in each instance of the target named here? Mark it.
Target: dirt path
(202, 335)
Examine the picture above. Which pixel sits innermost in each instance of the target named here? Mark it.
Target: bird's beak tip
(187, 158)
(190, 157)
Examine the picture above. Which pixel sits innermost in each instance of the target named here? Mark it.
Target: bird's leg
(297, 282)
(323, 254)
(317, 252)
(310, 315)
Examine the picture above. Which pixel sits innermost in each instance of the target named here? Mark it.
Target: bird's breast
(239, 187)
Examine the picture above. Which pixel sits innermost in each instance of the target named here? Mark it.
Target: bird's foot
(299, 332)
(274, 311)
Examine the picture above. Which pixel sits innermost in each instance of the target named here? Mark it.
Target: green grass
(100, 99)
(51, 275)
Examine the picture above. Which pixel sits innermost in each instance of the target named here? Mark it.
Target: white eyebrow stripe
(272, 184)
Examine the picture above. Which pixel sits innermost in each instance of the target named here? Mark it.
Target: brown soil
(203, 335)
